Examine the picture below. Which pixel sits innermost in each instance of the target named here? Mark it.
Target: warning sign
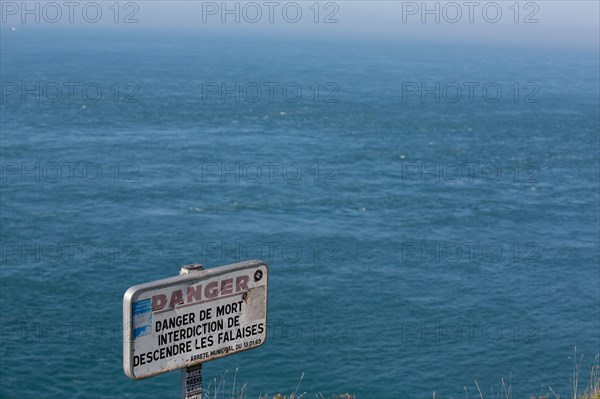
(193, 318)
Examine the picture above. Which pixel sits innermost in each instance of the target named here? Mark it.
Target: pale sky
(547, 22)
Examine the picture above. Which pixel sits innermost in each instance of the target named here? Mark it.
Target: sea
(429, 211)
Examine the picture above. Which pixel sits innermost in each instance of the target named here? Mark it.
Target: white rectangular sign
(193, 318)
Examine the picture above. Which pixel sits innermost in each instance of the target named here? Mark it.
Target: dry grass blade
(479, 389)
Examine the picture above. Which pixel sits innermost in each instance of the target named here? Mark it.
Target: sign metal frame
(133, 293)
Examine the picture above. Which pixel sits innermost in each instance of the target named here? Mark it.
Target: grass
(219, 391)
(589, 390)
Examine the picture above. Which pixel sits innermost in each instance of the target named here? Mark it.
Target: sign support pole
(191, 377)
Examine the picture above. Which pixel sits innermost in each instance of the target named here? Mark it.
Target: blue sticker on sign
(142, 318)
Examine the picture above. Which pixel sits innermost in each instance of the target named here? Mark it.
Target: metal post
(191, 377)
(191, 382)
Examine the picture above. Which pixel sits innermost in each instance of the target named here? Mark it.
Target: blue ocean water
(417, 239)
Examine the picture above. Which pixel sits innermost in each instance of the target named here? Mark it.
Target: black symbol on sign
(258, 275)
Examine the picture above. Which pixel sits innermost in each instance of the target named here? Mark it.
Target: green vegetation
(578, 389)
